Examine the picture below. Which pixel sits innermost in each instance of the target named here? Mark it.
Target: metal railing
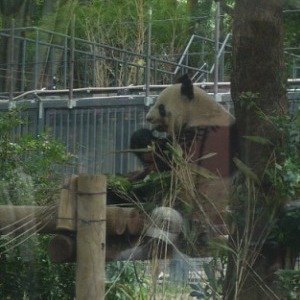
(42, 59)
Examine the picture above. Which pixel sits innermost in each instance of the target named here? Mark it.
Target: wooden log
(43, 219)
(66, 219)
(134, 221)
(18, 219)
(115, 221)
(91, 237)
(62, 248)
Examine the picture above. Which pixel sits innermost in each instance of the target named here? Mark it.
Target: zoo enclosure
(99, 125)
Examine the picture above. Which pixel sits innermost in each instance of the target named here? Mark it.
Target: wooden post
(66, 220)
(91, 237)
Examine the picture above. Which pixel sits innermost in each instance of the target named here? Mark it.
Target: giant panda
(188, 114)
(183, 105)
(185, 108)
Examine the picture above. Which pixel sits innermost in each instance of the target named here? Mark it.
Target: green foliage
(153, 180)
(288, 229)
(246, 170)
(211, 285)
(27, 270)
(29, 165)
(125, 281)
(285, 173)
(283, 169)
(290, 282)
(124, 24)
(30, 175)
(292, 40)
(258, 139)
(248, 100)
(119, 184)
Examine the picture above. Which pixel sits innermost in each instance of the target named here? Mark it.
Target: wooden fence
(86, 230)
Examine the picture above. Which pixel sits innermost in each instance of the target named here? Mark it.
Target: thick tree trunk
(258, 68)
(258, 88)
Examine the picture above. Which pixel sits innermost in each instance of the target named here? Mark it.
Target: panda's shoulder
(171, 92)
(200, 94)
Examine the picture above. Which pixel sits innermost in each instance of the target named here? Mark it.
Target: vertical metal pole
(125, 69)
(41, 120)
(221, 64)
(23, 66)
(294, 74)
(148, 58)
(11, 63)
(94, 65)
(217, 37)
(71, 70)
(65, 62)
(36, 65)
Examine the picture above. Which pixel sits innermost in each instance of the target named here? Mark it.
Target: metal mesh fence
(99, 136)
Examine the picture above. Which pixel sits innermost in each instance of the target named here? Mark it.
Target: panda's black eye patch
(162, 111)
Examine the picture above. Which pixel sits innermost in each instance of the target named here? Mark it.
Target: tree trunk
(258, 89)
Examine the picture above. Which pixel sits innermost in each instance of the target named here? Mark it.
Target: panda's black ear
(186, 86)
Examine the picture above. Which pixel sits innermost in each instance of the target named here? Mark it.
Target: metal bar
(95, 140)
(75, 135)
(94, 66)
(23, 64)
(71, 70)
(224, 44)
(122, 120)
(116, 72)
(125, 80)
(107, 151)
(65, 61)
(114, 134)
(11, 62)
(148, 62)
(184, 53)
(67, 137)
(87, 137)
(217, 38)
(101, 146)
(81, 137)
(36, 66)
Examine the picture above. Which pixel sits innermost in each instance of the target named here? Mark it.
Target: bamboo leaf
(245, 170)
(208, 155)
(258, 139)
(140, 150)
(203, 172)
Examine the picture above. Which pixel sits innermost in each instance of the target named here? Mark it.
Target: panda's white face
(182, 106)
(168, 114)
